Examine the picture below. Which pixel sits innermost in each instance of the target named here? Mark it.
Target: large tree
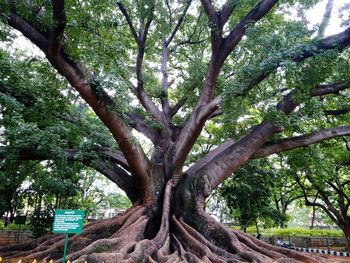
(166, 69)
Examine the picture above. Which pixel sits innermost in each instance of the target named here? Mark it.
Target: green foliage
(41, 221)
(299, 232)
(248, 194)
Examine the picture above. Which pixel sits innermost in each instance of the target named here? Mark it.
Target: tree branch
(333, 88)
(34, 35)
(128, 20)
(177, 106)
(336, 112)
(309, 203)
(300, 141)
(173, 33)
(59, 16)
(102, 105)
(235, 36)
(339, 41)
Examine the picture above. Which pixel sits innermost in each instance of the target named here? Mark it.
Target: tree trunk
(313, 217)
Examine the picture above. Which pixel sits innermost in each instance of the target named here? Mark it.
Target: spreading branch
(338, 41)
(99, 101)
(237, 33)
(176, 28)
(129, 21)
(300, 141)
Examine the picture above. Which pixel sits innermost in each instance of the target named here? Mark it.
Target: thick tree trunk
(176, 229)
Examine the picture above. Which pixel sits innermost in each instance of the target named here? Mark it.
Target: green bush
(298, 232)
(12, 226)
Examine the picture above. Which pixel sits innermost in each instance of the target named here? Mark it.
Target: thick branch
(226, 11)
(190, 133)
(337, 112)
(300, 141)
(118, 176)
(59, 16)
(333, 88)
(35, 36)
(235, 36)
(339, 41)
(102, 106)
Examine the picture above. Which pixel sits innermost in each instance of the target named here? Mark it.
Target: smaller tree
(321, 173)
(286, 191)
(248, 194)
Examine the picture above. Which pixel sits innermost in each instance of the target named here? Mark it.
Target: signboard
(20, 220)
(68, 221)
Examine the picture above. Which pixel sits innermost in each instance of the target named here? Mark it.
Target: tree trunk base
(131, 237)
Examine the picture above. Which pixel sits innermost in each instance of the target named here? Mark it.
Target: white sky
(314, 16)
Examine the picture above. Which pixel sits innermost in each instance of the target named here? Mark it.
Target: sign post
(68, 222)
(19, 220)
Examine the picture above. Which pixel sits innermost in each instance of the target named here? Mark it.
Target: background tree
(324, 181)
(157, 68)
(248, 194)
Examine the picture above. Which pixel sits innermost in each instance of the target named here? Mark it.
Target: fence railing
(311, 242)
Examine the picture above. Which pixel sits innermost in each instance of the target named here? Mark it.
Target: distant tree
(324, 177)
(286, 190)
(248, 194)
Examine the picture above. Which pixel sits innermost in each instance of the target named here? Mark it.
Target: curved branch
(235, 36)
(34, 35)
(120, 177)
(102, 105)
(300, 141)
(339, 41)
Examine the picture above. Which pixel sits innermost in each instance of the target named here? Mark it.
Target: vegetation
(298, 232)
(187, 75)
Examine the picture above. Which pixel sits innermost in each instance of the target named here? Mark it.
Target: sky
(314, 16)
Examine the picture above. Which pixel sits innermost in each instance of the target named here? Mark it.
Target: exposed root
(127, 238)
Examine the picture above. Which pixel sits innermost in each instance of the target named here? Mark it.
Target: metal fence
(311, 242)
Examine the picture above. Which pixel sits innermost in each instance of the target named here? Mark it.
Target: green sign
(20, 220)
(68, 221)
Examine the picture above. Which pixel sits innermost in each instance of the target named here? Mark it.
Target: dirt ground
(335, 259)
